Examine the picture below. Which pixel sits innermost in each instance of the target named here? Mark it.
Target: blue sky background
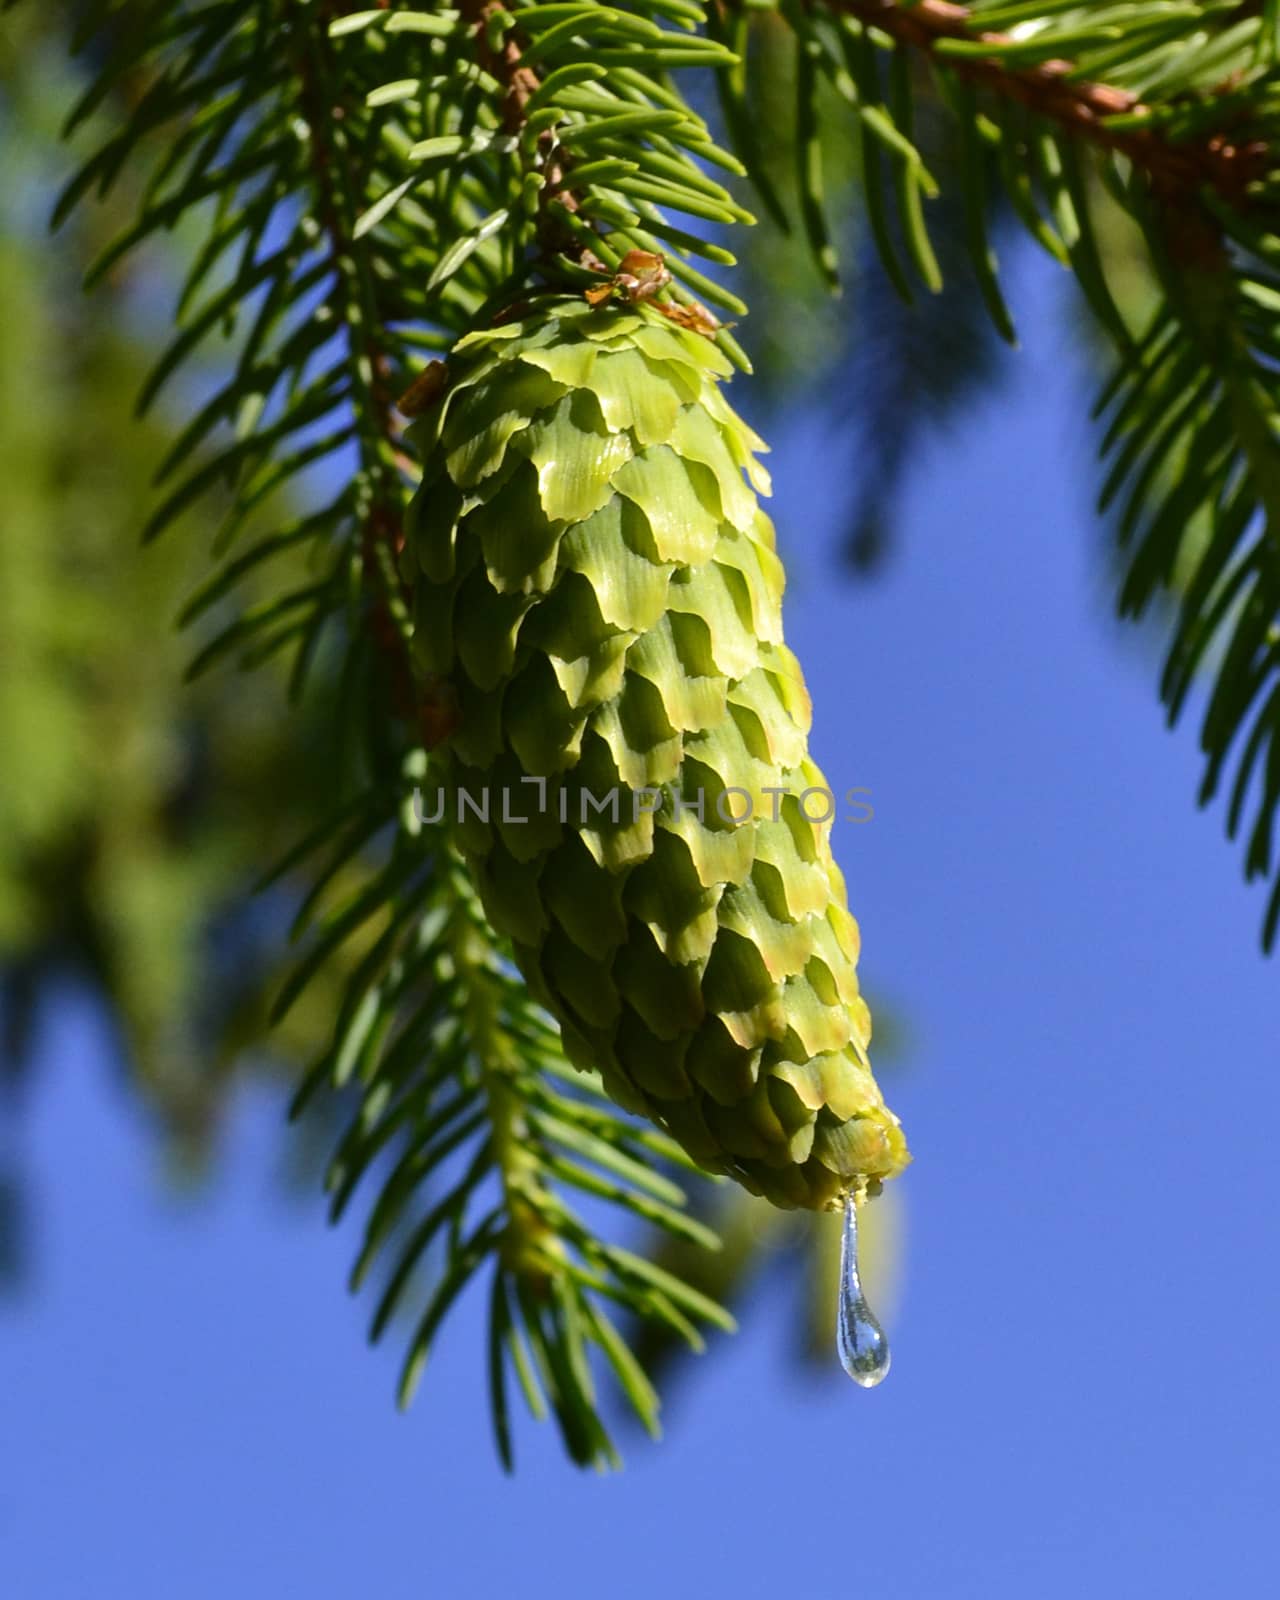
(1084, 1395)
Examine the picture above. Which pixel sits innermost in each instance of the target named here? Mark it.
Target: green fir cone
(600, 602)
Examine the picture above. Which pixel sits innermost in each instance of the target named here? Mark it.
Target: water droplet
(862, 1342)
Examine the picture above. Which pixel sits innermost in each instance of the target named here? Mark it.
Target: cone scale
(625, 769)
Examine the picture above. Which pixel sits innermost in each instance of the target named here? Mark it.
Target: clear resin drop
(863, 1345)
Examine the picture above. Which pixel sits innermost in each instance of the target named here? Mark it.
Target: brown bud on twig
(424, 391)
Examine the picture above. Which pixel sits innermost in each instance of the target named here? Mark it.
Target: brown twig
(505, 64)
(520, 83)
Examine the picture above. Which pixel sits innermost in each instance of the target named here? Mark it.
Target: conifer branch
(363, 321)
(1172, 111)
(990, 59)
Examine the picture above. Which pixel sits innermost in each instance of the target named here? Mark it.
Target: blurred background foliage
(137, 810)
